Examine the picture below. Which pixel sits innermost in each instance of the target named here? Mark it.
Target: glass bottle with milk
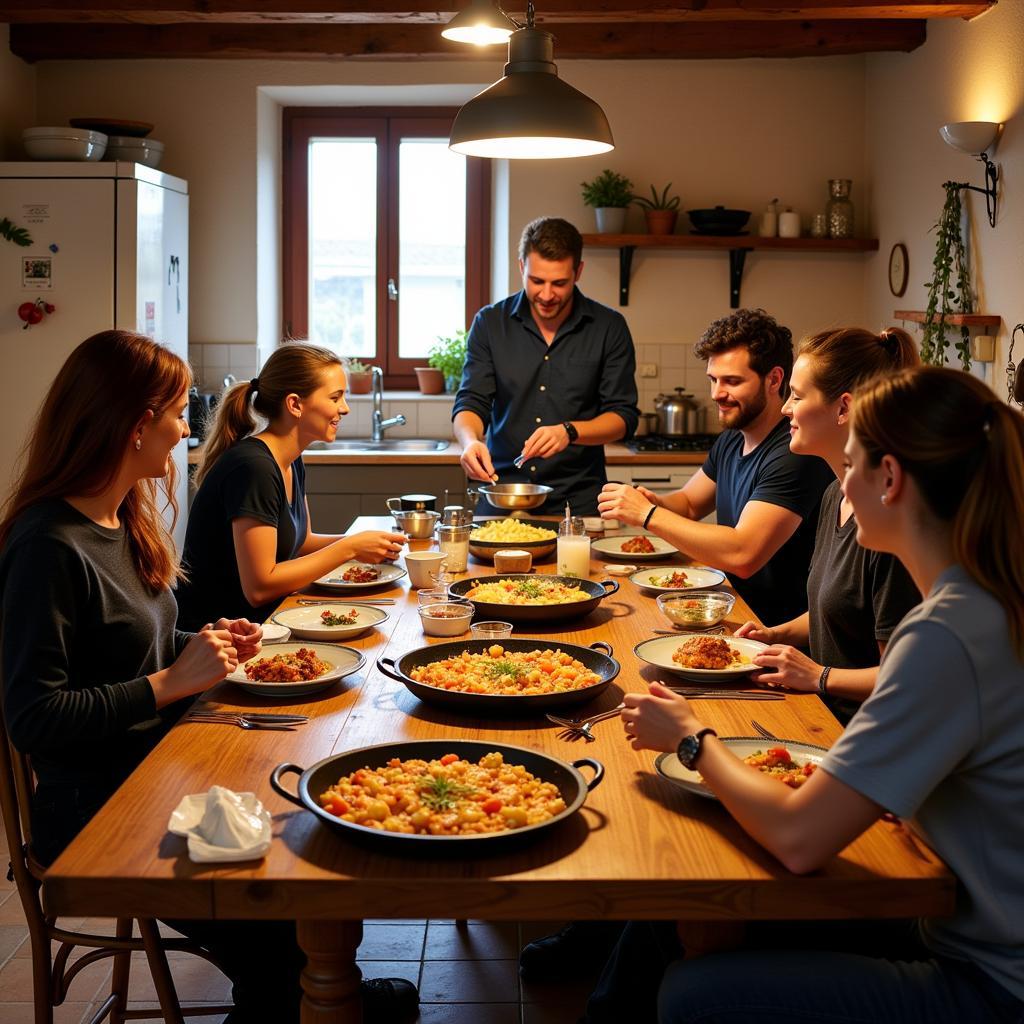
(573, 556)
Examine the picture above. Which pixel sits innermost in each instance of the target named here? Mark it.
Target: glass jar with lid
(839, 211)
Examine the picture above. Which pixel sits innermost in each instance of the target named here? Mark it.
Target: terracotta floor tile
(469, 1013)
(469, 981)
(12, 936)
(11, 910)
(195, 980)
(23, 1013)
(16, 982)
(408, 969)
(497, 941)
(392, 941)
(394, 920)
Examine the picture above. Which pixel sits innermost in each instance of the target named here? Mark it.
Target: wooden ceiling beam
(419, 12)
(606, 42)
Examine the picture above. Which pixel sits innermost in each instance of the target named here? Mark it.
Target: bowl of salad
(696, 609)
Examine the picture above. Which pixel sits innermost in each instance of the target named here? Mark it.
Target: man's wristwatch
(571, 431)
(690, 747)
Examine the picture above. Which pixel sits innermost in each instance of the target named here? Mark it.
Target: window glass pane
(432, 244)
(343, 245)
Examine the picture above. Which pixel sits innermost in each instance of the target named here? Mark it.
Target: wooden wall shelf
(919, 316)
(736, 245)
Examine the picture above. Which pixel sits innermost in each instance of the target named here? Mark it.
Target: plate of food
(673, 578)
(361, 576)
(522, 597)
(700, 656)
(789, 761)
(287, 670)
(641, 547)
(330, 621)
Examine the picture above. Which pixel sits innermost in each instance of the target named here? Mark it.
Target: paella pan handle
(387, 666)
(275, 781)
(610, 587)
(602, 645)
(583, 762)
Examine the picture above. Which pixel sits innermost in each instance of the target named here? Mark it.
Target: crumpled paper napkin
(222, 825)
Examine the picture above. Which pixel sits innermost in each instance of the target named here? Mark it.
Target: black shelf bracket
(737, 257)
(625, 266)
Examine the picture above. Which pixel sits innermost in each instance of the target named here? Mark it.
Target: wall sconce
(530, 113)
(976, 137)
(482, 23)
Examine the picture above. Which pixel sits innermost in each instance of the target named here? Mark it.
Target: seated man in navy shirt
(765, 497)
(549, 378)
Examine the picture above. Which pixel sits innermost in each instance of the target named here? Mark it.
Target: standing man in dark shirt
(765, 497)
(549, 378)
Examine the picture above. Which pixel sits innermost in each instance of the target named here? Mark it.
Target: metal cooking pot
(677, 413)
(417, 524)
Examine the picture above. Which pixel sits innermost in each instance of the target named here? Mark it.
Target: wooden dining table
(639, 847)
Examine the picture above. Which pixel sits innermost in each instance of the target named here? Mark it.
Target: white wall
(967, 71)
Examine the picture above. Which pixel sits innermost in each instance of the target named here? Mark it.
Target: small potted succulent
(448, 356)
(661, 211)
(610, 194)
(360, 377)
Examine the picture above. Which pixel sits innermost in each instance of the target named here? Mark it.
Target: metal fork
(577, 727)
(242, 722)
(762, 731)
(702, 693)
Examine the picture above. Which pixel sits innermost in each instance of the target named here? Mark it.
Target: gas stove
(661, 443)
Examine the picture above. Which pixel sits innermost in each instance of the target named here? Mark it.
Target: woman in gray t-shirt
(936, 477)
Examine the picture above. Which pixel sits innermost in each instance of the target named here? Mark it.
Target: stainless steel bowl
(515, 496)
(417, 524)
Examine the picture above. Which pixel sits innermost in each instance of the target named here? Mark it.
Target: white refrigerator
(109, 250)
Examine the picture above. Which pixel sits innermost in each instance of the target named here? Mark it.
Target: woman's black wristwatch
(690, 747)
(571, 431)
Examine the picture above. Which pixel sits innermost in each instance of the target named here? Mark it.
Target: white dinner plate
(659, 651)
(306, 622)
(611, 547)
(669, 767)
(388, 574)
(698, 577)
(343, 661)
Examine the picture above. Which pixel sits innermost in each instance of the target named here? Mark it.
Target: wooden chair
(51, 972)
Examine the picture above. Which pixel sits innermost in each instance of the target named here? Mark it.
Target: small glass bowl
(432, 595)
(449, 618)
(491, 630)
(696, 609)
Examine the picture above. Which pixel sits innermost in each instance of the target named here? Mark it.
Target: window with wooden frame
(386, 233)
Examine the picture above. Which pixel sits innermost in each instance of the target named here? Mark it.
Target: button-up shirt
(515, 383)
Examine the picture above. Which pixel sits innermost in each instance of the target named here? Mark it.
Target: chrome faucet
(377, 422)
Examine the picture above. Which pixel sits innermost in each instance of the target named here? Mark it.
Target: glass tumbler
(573, 556)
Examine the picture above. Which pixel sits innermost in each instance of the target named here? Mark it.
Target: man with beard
(766, 499)
(550, 377)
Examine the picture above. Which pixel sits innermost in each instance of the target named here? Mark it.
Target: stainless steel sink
(396, 444)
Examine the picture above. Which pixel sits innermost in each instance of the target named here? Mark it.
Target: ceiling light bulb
(481, 23)
(530, 113)
(972, 137)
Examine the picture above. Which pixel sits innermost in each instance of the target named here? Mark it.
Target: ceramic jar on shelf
(839, 211)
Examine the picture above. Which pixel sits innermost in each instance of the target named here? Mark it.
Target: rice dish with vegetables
(511, 531)
(299, 667)
(676, 580)
(778, 763)
(532, 591)
(708, 652)
(507, 673)
(443, 797)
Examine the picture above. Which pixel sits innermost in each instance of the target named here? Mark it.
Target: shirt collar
(581, 311)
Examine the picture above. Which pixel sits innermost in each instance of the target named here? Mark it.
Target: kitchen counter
(615, 455)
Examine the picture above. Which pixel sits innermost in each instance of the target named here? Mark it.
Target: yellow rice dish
(528, 591)
(511, 531)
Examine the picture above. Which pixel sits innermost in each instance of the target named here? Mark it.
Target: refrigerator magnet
(37, 273)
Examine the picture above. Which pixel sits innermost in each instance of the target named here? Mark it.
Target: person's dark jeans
(848, 972)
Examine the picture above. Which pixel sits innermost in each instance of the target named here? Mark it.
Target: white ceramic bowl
(274, 633)
(448, 619)
(63, 144)
(141, 151)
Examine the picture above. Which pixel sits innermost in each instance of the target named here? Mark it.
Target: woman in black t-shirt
(249, 540)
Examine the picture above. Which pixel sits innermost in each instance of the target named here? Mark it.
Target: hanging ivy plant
(949, 290)
(19, 236)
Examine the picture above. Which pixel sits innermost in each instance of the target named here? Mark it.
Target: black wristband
(647, 518)
(823, 679)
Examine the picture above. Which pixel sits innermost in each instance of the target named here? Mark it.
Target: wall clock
(898, 266)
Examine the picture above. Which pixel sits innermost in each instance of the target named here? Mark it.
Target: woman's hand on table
(377, 545)
(787, 667)
(627, 504)
(247, 636)
(752, 631)
(658, 719)
(207, 658)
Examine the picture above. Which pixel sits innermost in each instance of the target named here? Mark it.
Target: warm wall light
(976, 138)
(531, 113)
(481, 23)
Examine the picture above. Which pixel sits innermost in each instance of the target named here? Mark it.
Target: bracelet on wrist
(650, 512)
(823, 679)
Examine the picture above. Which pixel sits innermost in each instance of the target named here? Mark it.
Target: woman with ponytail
(249, 540)
(855, 597)
(935, 475)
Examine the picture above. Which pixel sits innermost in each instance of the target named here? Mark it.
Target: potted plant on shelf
(609, 193)
(661, 211)
(448, 356)
(360, 377)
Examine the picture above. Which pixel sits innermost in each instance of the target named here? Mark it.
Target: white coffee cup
(421, 564)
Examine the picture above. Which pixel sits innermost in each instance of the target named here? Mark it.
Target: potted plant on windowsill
(661, 211)
(609, 193)
(448, 356)
(360, 377)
